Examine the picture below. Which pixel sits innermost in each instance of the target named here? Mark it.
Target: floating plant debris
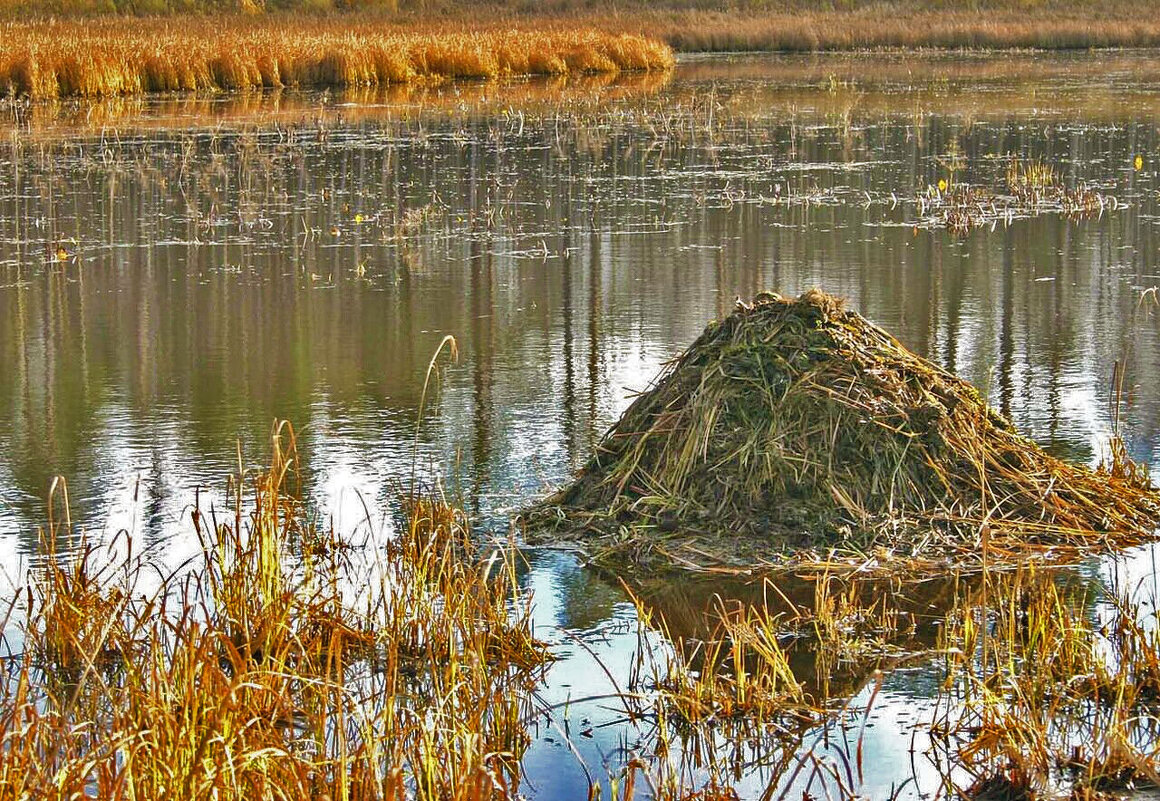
(1031, 189)
(799, 426)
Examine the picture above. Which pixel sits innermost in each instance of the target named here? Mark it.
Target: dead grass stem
(281, 663)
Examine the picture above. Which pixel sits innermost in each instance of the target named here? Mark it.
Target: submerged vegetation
(49, 59)
(797, 425)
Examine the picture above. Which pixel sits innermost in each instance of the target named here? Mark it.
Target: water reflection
(896, 725)
(586, 736)
(301, 257)
(227, 277)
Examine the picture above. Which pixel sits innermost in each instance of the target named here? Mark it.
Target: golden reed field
(111, 56)
(1027, 24)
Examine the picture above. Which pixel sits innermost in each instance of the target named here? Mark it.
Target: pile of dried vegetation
(797, 426)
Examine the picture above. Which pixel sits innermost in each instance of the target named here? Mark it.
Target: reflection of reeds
(278, 666)
(98, 58)
(1044, 694)
(575, 95)
(717, 707)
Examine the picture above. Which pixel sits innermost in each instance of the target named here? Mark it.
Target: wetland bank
(176, 273)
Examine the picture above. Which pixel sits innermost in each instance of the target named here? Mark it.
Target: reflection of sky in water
(594, 631)
(1133, 576)
(225, 282)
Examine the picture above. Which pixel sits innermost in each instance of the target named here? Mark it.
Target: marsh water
(177, 273)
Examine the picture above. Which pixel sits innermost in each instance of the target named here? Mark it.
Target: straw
(798, 426)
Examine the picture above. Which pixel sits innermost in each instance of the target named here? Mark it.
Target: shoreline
(693, 32)
(105, 56)
(833, 82)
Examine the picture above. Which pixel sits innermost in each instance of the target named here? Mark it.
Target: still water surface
(176, 274)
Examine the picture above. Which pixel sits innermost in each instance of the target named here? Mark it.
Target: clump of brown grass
(724, 704)
(50, 58)
(276, 666)
(798, 424)
(739, 673)
(712, 704)
(1049, 697)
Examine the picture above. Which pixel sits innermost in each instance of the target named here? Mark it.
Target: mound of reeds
(798, 425)
(281, 662)
(49, 59)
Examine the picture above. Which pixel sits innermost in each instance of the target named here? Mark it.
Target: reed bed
(1048, 690)
(914, 25)
(105, 57)
(285, 662)
(797, 425)
(805, 25)
(1053, 701)
(831, 85)
(281, 663)
(694, 27)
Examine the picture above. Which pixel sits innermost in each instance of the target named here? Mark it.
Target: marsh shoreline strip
(98, 56)
(117, 56)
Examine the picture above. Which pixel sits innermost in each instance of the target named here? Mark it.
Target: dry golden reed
(283, 662)
(1046, 695)
(94, 58)
(891, 25)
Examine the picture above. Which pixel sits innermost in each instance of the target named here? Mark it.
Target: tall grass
(910, 26)
(688, 26)
(285, 662)
(280, 664)
(92, 58)
(1050, 695)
